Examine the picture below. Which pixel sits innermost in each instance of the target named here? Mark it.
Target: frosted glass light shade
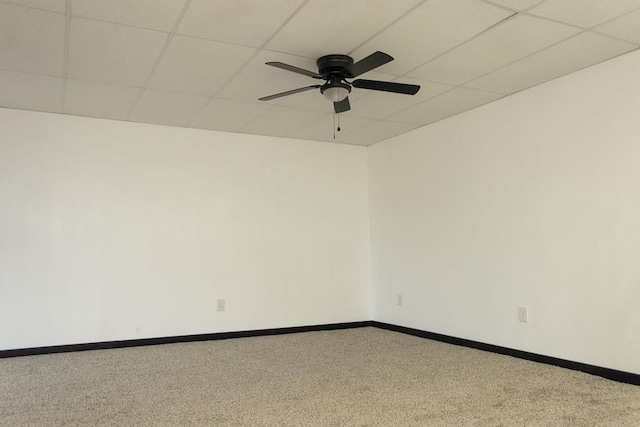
(336, 93)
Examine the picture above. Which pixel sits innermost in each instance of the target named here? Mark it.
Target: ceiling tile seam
(24, 6)
(402, 133)
(327, 110)
(346, 143)
(249, 123)
(365, 127)
(462, 85)
(582, 29)
(247, 62)
(368, 125)
(468, 109)
(594, 31)
(521, 11)
(585, 28)
(106, 21)
(216, 41)
(65, 56)
(503, 95)
(385, 118)
(451, 87)
(339, 136)
(592, 28)
(533, 6)
(288, 53)
(387, 26)
(522, 59)
(174, 92)
(359, 139)
(451, 115)
(286, 135)
(13, 70)
(318, 120)
(617, 17)
(75, 79)
(289, 135)
(500, 6)
(493, 26)
(557, 21)
(160, 56)
(418, 103)
(564, 74)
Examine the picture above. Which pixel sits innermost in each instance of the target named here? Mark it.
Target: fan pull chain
(336, 128)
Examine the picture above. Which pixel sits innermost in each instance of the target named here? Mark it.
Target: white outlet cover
(523, 314)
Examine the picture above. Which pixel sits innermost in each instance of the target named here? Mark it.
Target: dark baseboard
(177, 339)
(611, 374)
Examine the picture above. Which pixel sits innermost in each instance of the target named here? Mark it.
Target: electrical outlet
(523, 314)
(399, 299)
(220, 305)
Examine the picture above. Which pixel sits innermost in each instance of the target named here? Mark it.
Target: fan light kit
(335, 70)
(335, 93)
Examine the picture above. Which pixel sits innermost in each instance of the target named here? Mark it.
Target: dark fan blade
(287, 93)
(342, 106)
(386, 86)
(372, 61)
(295, 69)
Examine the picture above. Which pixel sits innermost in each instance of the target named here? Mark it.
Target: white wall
(112, 230)
(532, 201)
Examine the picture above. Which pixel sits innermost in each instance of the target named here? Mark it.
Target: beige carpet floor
(357, 377)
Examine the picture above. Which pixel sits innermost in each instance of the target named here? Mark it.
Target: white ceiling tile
(323, 128)
(376, 132)
(584, 13)
(281, 121)
(430, 30)
(99, 99)
(578, 52)
(30, 91)
(517, 4)
(31, 40)
(155, 14)
(324, 27)
(228, 115)
(626, 27)
(505, 43)
(445, 105)
(257, 79)
(110, 53)
(198, 66)
(59, 6)
(378, 105)
(167, 108)
(222, 20)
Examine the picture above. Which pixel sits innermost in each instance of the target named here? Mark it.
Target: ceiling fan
(335, 70)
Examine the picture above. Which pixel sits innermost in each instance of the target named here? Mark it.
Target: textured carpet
(356, 377)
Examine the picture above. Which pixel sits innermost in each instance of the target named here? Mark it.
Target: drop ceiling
(200, 63)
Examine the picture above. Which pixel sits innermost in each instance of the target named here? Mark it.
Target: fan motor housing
(333, 64)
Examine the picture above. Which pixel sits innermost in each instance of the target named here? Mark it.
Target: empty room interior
(319, 212)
